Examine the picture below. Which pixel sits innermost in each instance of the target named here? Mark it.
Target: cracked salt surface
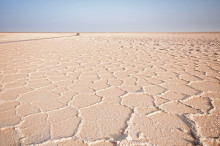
(110, 89)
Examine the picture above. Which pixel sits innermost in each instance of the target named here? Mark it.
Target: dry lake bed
(109, 89)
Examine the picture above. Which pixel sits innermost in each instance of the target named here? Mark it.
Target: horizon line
(115, 32)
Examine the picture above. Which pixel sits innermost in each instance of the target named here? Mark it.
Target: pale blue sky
(109, 15)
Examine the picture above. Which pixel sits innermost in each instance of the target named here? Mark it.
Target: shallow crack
(192, 125)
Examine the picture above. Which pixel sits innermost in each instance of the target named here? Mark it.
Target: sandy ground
(109, 89)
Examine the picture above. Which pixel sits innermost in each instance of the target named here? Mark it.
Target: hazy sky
(109, 15)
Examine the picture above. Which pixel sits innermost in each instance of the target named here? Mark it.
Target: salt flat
(109, 89)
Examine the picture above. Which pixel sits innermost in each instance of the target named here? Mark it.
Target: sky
(109, 15)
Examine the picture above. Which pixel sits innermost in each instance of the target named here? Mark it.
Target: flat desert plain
(109, 89)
